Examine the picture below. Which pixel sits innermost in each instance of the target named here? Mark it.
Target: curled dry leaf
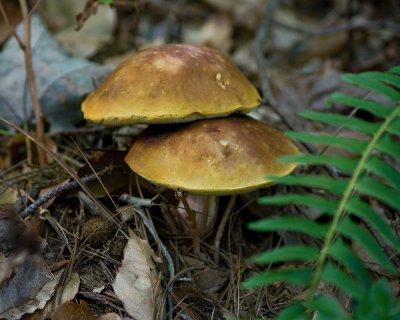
(137, 283)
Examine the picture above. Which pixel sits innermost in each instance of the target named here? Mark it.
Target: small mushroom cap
(216, 156)
(169, 84)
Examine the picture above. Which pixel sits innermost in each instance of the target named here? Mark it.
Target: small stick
(193, 224)
(60, 190)
(63, 165)
(221, 227)
(27, 49)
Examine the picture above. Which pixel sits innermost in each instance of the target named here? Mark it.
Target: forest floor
(77, 244)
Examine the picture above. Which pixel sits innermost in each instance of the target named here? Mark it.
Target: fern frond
(372, 172)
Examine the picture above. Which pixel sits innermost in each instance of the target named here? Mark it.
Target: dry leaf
(93, 33)
(73, 311)
(110, 316)
(137, 283)
(215, 32)
(13, 12)
(8, 196)
(71, 288)
(61, 81)
(30, 289)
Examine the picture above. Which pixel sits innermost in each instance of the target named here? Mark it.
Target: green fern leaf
(386, 77)
(389, 146)
(324, 182)
(395, 69)
(340, 162)
(353, 231)
(327, 308)
(333, 275)
(363, 211)
(349, 144)
(394, 127)
(301, 277)
(347, 258)
(377, 303)
(367, 81)
(342, 121)
(384, 170)
(291, 223)
(296, 311)
(287, 253)
(323, 204)
(381, 192)
(370, 106)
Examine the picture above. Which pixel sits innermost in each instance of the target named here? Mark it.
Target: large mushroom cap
(171, 83)
(217, 156)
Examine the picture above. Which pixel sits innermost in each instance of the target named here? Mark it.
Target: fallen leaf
(95, 32)
(111, 181)
(8, 196)
(137, 283)
(29, 289)
(71, 288)
(110, 316)
(246, 13)
(13, 12)
(215, 32)
(62, 82)
(73, 311)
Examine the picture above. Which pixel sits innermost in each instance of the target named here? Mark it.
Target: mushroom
(222, 156)
(169, 84)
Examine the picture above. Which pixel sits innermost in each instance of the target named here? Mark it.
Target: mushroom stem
(193, 224)
(221, 227)
(208, 214)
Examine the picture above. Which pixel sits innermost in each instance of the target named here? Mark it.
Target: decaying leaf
(13, 15)
(93, 33)
(137, 283)
(71, 288)
(61, 81)
(73, 311)
(110, 316)
(29, 289)
(215, 32)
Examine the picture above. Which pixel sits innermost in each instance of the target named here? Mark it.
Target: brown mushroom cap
(216, 156)
(171, 83)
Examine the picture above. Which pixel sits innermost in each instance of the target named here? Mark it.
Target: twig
(63, 165)
(60, 190)
(221, 227)
(27, 49)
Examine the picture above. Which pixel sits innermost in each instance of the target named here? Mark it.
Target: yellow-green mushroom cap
(216, 156)
(169, 84)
